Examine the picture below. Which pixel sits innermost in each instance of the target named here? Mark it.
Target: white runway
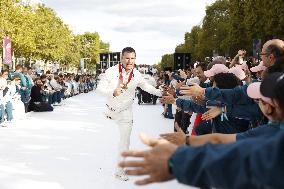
(73, 147)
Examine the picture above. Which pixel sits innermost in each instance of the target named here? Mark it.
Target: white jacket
(110, 81)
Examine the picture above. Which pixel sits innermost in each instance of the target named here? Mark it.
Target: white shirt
(110, 81)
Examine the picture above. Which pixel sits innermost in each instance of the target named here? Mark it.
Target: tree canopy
(37, 33)
(230, 25)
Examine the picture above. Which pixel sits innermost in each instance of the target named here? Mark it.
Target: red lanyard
(121, 77)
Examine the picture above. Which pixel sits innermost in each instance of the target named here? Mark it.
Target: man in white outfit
(118, 84)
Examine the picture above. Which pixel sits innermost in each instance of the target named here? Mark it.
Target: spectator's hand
(182, 74)
(165, 90)
(154, 162)
(242, 53)
(213, 112)
(178, 85)
(24, 88)
(172, 91)
(193, 90)
(198, 100)
(177, 138)
(167, 99)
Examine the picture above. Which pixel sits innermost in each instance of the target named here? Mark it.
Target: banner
(7, 51)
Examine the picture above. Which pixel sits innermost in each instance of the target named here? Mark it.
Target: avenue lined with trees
(37, 33)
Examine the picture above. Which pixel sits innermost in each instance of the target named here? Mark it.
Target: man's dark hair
(202, 65)
(43, 76)
(276, 50)
(36, 79)
(128, 50)
(3, 71)
(226, 80)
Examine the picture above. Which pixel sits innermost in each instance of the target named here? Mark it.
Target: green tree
(167, 61)
(53, 37)
(104, 47)
(214, 29)
(90, 45)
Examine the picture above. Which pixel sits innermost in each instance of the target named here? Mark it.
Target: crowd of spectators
(23, 90)
(238, 103)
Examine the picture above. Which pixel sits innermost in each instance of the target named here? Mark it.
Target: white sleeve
(147, 87)
(104, 85)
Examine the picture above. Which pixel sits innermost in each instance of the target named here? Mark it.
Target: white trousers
(124, 120)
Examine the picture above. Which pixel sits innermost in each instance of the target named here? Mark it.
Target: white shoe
(121, 176)
(6, 123)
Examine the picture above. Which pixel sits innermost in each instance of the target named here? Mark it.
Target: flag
(7, 51)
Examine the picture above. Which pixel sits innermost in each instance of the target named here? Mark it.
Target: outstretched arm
(147, 87)
(179, 138)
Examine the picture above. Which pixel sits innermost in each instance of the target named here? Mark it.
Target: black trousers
(183, 120)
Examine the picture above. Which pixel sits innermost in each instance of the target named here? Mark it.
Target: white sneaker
(6, 123)
(121, 176)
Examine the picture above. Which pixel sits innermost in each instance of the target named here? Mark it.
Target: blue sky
(152, 27)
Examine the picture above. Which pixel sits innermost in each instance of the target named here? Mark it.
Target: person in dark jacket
(249, 163)
(36, 103)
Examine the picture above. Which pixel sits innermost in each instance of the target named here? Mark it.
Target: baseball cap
(238, 72)
(216, 69)
(266, 90)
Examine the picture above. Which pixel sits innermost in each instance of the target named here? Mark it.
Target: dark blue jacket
(250, 163)
(190, 106)
(267, 129)
(237, 102)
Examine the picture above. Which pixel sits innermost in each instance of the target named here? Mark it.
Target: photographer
(48, 90)
(37, 104)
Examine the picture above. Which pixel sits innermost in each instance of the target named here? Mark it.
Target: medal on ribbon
(121, 77)
(124, 86)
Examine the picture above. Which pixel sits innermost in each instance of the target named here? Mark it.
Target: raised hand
(213, 112)
(168, 99)
(177, 138)
(178, 85)
(154, 162)
(242, 53)
(193, 90)
(182, 74)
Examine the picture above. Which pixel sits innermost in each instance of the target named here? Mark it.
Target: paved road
(73, 147)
